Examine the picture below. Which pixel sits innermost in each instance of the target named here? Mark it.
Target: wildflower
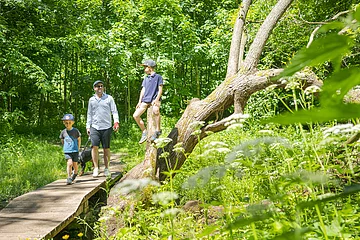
(312, 89)
(132, 185)
(178, 148)
(172, 212)
(164, 155)
(80, 234)
(235, 126)
(215, 144)
(340, 129)
(164, 198)
(292, 85)
(271, 87)
(162, 142)
(65, 236)
(269, 132)
(196, 133)
(196, 125)
(284, 81)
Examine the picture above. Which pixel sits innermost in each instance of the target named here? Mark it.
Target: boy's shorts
(73, 156)
(102, 136)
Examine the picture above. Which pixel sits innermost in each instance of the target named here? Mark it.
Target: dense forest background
(256, 180)
(52, 52)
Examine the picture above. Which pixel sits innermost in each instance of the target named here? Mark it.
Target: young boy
(70, 138)
(150, 95)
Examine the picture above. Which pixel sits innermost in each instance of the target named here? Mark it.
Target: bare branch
(263, 34)
(311, 39)
(236, 40)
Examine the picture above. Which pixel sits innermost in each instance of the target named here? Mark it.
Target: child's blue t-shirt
(70, 140)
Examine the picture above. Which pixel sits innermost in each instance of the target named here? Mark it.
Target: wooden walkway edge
(43, 213)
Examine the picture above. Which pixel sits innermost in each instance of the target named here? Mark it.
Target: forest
(260, 114)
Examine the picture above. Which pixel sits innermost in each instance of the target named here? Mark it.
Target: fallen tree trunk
(240, 87)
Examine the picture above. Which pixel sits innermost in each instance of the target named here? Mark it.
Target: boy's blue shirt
(70, 140)
(151, 84)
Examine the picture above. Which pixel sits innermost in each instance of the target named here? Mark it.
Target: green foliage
(335, 86)
(28, 163)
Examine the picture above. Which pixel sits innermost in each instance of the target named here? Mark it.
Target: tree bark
(237, 39)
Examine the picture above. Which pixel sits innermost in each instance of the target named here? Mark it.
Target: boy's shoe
(155, 135)
(81, 173)
(143, 137)
(73, 176)
(68, 181)
(96, 172)
(107, 173)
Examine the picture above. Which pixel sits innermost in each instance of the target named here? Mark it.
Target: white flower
(172, 212)
(271, 87)
(264, 131)
(312, 89)
(196, 125)
(235, 126)
(164, 198)
(292, 85)
(132, 185)
(162, 142)
(215, 144)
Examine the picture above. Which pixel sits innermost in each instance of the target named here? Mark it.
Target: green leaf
(349, 190)
(323, 49)
(337, 111)
(343, 80)
(357, 13)
(207, 231)
(240, 222)
(296, 234)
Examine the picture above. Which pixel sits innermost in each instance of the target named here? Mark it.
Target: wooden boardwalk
(43, 213)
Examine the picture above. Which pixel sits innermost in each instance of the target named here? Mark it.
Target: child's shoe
(73, 176)
(143, 137)
(107, 173)
(68, 181)
(155, 135)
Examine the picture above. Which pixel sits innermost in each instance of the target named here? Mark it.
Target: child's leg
(137, 115)
(157, 117)
(69, 167)
(75, 165)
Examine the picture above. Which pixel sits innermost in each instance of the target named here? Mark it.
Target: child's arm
(140, 97)
(79, 143)
(157, 99)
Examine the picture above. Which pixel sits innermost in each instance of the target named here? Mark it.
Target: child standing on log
(71, 141)
(150, 95)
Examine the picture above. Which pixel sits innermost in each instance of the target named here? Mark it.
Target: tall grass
(27, 163)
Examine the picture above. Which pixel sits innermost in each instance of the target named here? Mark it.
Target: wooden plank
(43, 213)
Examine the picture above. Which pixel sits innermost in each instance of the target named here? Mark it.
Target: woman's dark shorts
(74, 156)
(102, 136)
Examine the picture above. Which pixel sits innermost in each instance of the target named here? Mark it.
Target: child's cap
(68, 117)
(149, 63)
